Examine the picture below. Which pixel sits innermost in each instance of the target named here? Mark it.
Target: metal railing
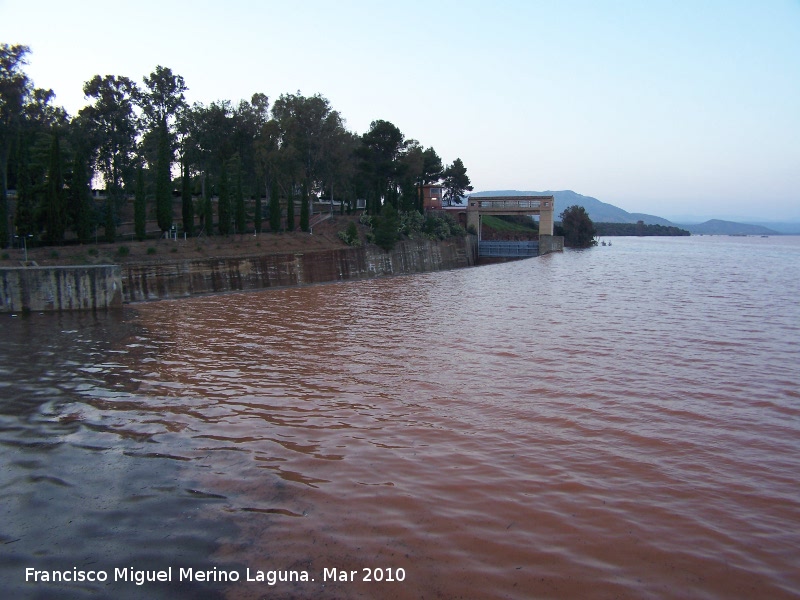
(508, 249)
(511, 203)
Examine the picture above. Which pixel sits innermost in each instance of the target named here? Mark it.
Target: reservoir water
(621, 422)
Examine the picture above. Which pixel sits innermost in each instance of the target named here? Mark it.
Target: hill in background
(602, 212)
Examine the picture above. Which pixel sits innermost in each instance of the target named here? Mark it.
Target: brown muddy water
(622, 422)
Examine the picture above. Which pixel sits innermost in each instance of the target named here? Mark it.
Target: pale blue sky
(670, 108)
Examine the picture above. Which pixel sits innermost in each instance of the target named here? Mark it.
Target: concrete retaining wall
(203, 276)
(550, 243)
(100, 287)
(60, 288)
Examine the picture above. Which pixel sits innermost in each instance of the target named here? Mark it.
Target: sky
(676, 108)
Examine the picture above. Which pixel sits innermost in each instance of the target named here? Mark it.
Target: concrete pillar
(473, 218)
(546, 222)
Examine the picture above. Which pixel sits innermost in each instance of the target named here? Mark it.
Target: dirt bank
(159, 251)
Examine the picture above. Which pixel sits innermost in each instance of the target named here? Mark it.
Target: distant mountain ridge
(720, 227)
(602, 212)
(598, 211)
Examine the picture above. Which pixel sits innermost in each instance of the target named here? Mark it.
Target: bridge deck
(512, 205)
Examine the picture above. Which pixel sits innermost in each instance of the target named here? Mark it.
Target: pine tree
(304, 216)
(456, 182)
(140, 206)
(186, 201)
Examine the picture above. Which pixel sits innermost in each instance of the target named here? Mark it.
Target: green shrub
(350, 235)
(122, 251)
(440, 228)
(6, 256)
(151, 250)
(411, 223)
(93, 252)
(174, 249)
(54, 254)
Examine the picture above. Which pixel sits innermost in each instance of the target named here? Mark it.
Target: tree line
(143, 141)
(638, 229)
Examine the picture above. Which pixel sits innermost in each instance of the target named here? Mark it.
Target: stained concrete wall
(60, 288)
(550, 243)
(106, 286)
(203, 276)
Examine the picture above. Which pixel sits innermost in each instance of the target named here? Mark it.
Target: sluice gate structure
(541, 206)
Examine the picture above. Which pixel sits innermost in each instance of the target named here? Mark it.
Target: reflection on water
(617, 422)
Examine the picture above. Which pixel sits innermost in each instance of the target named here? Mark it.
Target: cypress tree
(304, 212)
(257, 212)
(290, 210)
(163, 180)
(5, 236)
(24, 219)
(56, 212)
(186, 201)
(140, 206)
(224, 203)
(111, 216)
(208, 212)
(386, 229)
(80, 201)
(241, 213)
(274, 208)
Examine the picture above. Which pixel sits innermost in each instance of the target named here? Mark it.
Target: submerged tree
(578, 229)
